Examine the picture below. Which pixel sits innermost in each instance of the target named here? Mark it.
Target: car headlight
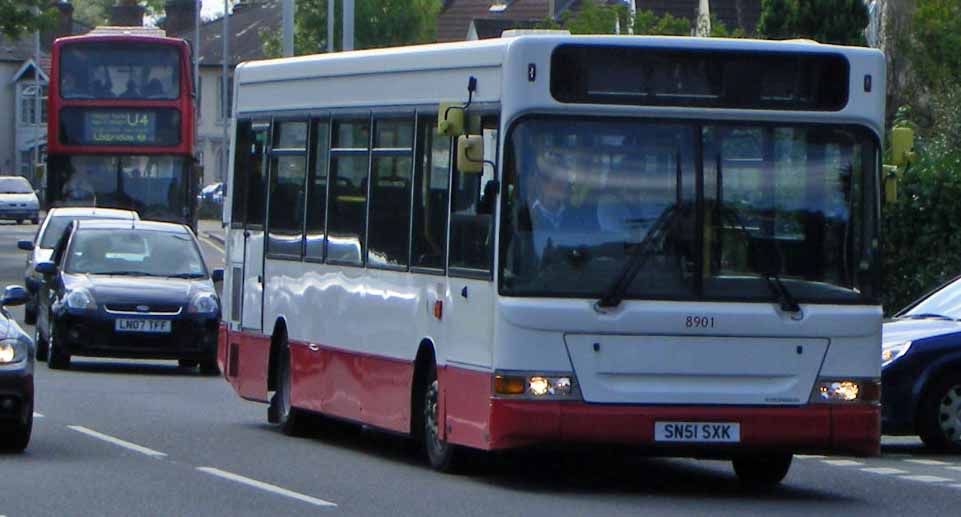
(204, 303)
(80, 299)
(892, 352)
(12, 351)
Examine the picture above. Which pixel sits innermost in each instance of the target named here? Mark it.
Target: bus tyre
(19, 221)
(281, 410)
(186, 363)
(443, 456)
(762, 470)
(939, 418)
(56, 359)
(41, 344)
(209, 367)
(17, 433)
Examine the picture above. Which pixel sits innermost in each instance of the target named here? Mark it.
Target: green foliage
(827, 21)
(719, 30)
(97, 12)
(19, 17)
(934, 44)
(922, 231)
(377, 23)
(646, 22)
(778, 19)
(592, 18)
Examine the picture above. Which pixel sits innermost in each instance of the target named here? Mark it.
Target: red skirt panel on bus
(245, 355)
(366, 388)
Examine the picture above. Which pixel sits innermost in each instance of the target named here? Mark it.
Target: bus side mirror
(450, 119)
(470, 154)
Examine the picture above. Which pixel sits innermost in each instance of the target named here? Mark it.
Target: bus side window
(347, 217)
(256, 182)
(432, 178)
(288, 171)
(388, 232)
(242, 159)
(317, 189)
(470, 218)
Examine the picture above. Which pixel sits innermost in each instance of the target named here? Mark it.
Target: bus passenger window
(347, 220)
(430, 196)
(317, 189)
(288, 171)
(470, 218)
(256, 184)
(389, 227)
(248, 153)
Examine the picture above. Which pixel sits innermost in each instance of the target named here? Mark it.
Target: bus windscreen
(105, 70)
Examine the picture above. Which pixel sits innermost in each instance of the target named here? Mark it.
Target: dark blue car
(921, 370)
(16, 376)
(130, 289)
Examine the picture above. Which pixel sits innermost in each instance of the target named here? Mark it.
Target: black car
(921, 370)
(16, 375)
(132, 289)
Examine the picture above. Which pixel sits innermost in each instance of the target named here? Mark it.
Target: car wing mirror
(14, 295)
(25, 245)
(46, 268)
(217, 275)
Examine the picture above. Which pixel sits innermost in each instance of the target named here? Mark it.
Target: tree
(646, 22)
(719, 30)
(592, 18)
(832, 21)
(377, 23)
(19, 17)
(778, 19)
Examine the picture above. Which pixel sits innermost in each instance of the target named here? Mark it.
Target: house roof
(246, 23)
(454, 19)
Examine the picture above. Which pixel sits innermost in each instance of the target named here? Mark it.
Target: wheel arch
(277, 336)
(426, 358)
(946, 365)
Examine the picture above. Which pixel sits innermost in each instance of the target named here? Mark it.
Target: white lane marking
(35, 415)
(212, 243)
(266, 486)
(843, 463)
(884, 470)
(810, 456)
(928, 462)
(117, 441)
(926, 479)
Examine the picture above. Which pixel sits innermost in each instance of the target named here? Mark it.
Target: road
(123, 437)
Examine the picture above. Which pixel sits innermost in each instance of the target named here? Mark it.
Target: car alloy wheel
(949, 415)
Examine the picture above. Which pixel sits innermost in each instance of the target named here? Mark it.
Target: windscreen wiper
(788, 303)
(187, 275)
(926, 315)
(122, 273)
(615, 294)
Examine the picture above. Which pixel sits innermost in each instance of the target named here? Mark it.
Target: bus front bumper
(833, 429)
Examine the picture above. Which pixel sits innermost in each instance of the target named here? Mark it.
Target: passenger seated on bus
(131, 92)
(153, 89)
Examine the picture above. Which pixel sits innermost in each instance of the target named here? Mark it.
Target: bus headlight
(892, 352)
(80, 299)
(841, 391)
(536, 386)
(11, 351)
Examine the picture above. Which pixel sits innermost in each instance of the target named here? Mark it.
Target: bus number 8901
(701, 322)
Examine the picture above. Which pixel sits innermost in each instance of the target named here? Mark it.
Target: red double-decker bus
(121, 124)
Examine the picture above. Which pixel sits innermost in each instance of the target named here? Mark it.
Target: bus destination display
(120, 127)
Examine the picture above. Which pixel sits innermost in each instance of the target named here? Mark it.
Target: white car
(41, 247)
(18, 201)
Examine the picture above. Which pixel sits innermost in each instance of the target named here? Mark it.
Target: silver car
(41, 247)
(18, 201)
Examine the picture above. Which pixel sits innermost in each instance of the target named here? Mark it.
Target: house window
(28, 104)
(225, 102)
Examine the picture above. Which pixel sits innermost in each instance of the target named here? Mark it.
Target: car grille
(138, 308)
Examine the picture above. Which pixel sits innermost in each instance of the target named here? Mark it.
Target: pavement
(211, 229)
(120, 437)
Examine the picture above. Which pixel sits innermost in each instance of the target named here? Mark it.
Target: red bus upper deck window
(102, 71)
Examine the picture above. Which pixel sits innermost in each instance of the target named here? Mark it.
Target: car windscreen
(57, 224)
(946, 302)
(15, 186)
(134, 252)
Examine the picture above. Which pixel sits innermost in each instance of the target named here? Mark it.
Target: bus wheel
(763, 470)
(442, 456)
(19, 221)
(291, 419)
(939, 418)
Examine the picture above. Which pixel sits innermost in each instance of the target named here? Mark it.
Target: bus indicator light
(509, 385)
(438, 309)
